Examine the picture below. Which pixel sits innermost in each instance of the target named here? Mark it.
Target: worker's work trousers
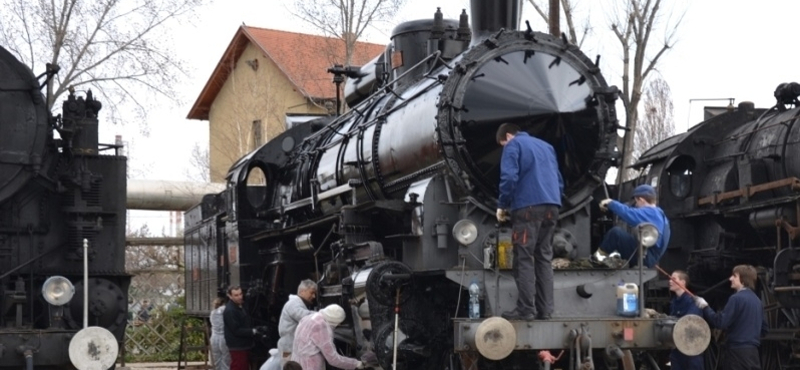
(533, 255)
(239, 360)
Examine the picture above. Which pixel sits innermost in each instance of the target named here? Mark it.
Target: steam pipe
(158, 195)
(28, 359)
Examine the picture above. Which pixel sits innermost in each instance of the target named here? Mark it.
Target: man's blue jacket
(529, 174)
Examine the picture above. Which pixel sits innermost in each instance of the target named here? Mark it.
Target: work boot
(516, 315)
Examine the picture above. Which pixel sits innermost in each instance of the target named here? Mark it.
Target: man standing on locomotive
(530, 187)
(681, 305)
(644, 210)
(742, 319)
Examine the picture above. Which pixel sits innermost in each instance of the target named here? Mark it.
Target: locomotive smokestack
(490, 16)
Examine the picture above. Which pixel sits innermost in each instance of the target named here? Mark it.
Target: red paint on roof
(303, 58)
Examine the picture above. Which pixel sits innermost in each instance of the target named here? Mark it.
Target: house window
(258, 134)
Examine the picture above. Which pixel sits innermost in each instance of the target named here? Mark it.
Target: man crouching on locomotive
(644, 210)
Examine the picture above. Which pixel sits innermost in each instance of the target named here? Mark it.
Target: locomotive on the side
(390, 207)
(60, 197)
(731, 188)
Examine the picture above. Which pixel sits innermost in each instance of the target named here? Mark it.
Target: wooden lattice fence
(156, 305)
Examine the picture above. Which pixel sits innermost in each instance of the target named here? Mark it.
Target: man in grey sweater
(295, 309)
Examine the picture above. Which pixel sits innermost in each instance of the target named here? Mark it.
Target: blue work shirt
(681, 306)
(529, 174)
(633, 216)
(742, 319)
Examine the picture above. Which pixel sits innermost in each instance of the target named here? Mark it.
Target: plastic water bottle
(474, 302)
(627, 299)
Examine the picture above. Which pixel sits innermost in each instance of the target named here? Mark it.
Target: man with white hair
(293, 311)
(313, 341)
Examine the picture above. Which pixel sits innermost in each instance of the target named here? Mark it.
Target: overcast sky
(725, 49)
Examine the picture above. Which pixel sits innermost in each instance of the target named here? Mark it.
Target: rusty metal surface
(792, 182)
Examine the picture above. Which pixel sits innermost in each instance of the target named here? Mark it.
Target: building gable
(303, 58)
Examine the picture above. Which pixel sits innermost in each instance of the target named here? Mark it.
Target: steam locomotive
(61, 198)
(730, 186)
(390, 206)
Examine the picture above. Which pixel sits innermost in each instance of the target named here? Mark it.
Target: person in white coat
(219, 351)
(295, 309)
(313, 342)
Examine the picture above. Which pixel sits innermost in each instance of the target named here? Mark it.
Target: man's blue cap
(644, 191)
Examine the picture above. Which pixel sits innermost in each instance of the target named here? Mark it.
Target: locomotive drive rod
(676, 282)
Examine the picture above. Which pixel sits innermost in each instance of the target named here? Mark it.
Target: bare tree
(345, 19)
(657, 122)
(635, 25)
(158, 270)
(138, 257)
(113, 46)
(568, 10)
(199, 168)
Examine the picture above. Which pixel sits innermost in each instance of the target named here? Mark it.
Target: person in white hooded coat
(219, 351)
(313, 341)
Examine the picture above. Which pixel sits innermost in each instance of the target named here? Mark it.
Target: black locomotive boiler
(59, 197)
(390, 206)
(731, 188)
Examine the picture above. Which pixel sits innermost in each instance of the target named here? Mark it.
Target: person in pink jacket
(313, 341)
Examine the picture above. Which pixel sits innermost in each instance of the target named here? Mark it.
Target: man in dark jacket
(530, 187)
(239, 331)
(742, 319)
(681, 305)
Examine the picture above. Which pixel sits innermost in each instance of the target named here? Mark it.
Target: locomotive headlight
(648, 234)
(465, 231)
(57, 290)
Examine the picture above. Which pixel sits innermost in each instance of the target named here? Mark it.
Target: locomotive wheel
(107, 306)
(382, 289)
(384, 344)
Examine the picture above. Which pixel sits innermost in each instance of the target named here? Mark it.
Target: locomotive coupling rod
(676, 282)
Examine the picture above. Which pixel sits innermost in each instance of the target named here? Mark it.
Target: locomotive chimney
(490, 16)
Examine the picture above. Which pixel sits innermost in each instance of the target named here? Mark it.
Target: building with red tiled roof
(262, 77)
